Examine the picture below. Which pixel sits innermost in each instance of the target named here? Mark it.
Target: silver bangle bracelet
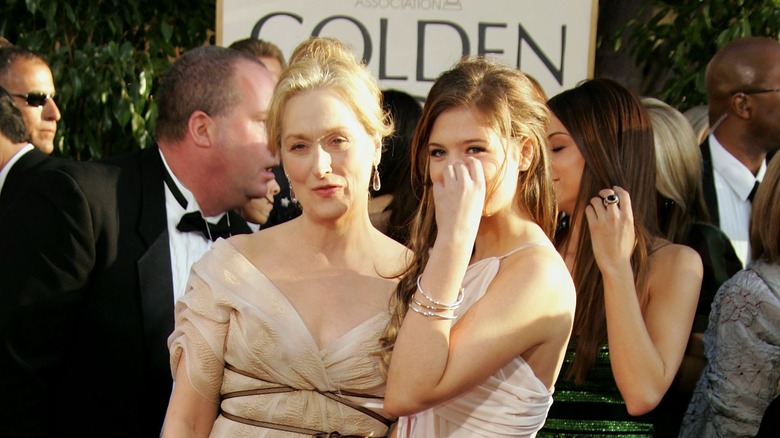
(439, 305)
(426, 306)
(413, 307)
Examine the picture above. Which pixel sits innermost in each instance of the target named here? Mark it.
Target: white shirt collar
(736, 174)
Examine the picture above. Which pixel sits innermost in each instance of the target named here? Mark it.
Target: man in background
(265, 51)
(101, 252)
(27, 77)
(283, 207)
(32, 90)
(743, 90)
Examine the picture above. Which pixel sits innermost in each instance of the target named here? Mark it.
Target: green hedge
(107, 57)
(676, 43)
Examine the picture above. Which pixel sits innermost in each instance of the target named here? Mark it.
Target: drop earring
(292, 192)
(376, 184)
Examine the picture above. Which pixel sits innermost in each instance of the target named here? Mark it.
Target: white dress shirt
(733, 183)
(7, 168)
(186, 247)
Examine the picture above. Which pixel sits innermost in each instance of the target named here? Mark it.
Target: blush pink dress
(249, 351)
(511, 403)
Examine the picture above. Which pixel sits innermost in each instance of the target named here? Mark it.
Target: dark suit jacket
(21, 174)
(91, 299)
(708, 183)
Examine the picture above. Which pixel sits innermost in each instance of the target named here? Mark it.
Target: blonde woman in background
(683, 219)
(698, 117)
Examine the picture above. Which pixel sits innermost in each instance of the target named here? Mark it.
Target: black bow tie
(194, 221)
(753, 192)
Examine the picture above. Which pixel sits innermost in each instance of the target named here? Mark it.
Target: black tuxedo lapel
(156, 285)
(154, 267)
(153, 217)
(237, 224)
(708, 183)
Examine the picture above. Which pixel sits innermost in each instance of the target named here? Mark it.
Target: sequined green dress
(593, 409)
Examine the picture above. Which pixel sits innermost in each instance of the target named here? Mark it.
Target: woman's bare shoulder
(673, 269)
(666, 255)
(542, 274)
(273, 242)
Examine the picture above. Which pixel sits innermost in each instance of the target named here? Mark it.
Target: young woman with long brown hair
(484, 312)
(636, 291)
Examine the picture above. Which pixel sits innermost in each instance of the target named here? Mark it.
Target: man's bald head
(740, 65)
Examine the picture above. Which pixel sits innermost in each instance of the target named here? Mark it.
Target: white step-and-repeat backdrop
(407, 43)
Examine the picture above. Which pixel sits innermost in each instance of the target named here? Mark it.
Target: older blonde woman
(278, 333)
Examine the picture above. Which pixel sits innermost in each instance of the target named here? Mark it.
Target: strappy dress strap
(526, 245)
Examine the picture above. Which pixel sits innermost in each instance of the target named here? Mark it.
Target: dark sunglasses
(37, 99)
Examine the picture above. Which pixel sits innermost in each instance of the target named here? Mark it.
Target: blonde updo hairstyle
(326, 63)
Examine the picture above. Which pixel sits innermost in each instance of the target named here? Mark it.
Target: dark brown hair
(11, 121)
(10, 54)
(614, 136)
(260, 49)
(395, 169)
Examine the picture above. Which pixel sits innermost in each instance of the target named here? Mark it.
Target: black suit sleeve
(48, 251)
(720, 262)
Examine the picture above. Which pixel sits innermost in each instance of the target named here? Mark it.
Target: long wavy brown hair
(614, 135)
(509, 103)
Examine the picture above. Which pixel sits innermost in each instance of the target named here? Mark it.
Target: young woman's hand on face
(459, 198)
(611, 224)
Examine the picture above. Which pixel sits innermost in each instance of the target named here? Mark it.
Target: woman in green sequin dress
(636, 291)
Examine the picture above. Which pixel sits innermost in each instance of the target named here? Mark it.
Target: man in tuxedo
(28, 81)
(743, 90)
(27, 77)
(283, 208)
(101, 251)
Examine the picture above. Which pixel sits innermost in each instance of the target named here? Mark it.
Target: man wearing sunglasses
(743, 93)
(27, 77)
